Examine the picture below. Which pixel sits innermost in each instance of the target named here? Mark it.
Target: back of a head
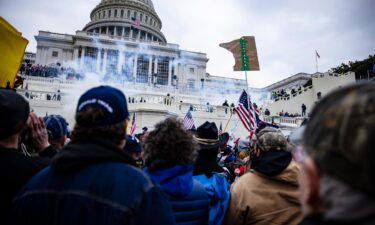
(169, 144)
(57, 127)
(102, 112)
(340, 136)
(270, 139)
(14, 112)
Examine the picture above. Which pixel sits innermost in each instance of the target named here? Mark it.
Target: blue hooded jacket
(189, 199)
(218, 189)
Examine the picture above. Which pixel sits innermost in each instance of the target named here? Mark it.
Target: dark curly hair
(169, 145)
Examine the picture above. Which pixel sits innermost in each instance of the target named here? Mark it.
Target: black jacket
(91, 182)
(15, 170)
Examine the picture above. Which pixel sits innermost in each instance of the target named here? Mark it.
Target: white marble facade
(111, 44)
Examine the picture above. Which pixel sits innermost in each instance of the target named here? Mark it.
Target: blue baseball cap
(110, 100)
(132, 145)
(56, 125)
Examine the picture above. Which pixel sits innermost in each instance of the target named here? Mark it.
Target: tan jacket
(258, 199)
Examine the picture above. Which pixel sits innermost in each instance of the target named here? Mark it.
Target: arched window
(115, 12)
(122, 13)
(128, 14)
(103, 14)
(109, 13)
(141, 17)
(146, 19)
(100, 14)
(135, 15)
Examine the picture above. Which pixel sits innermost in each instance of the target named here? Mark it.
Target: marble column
(170, 63)
(135, 68)
(104, 69)
(107, 32)
(115, 31)
(131, 33)
(82, 58)
(123, 32)
(120, 61)
(149, 70)
(155, 79)
(100, 30)
(98, 60)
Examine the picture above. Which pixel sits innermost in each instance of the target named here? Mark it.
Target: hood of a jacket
(176, 181)
(85, 152)
(271, 163)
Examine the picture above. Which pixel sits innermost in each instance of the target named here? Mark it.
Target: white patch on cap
(94, 101)
(105, 105)
(87, 102)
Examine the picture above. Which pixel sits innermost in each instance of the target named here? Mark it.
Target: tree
(361, 68)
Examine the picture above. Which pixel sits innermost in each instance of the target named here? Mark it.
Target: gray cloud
(287, 32)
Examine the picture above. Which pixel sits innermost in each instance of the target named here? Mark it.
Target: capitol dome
(134, 19)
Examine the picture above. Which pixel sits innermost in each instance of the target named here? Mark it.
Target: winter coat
(91, 182)
(15, 170)
(189, 199)
(217, 187)
(262, 199)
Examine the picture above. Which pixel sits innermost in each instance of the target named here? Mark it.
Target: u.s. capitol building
(124, 38)
(124, 41)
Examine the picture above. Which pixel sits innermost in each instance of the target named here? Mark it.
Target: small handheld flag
(188, 121)
(132, 128)
(246, 112)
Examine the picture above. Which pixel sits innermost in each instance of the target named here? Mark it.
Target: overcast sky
(287, 32)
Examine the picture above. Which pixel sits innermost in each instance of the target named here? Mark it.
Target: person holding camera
(19, 128)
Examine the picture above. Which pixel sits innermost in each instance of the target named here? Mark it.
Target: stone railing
(42, 96)
(284, 121)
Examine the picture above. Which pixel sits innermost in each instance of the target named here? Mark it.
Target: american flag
(246, 112)
(188, 121)
(132, 128)
(136, 22)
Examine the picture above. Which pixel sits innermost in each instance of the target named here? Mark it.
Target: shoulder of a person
(123, 170)
(16, 159)
(246, 180)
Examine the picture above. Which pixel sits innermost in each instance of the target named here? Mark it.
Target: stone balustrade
(284, 121)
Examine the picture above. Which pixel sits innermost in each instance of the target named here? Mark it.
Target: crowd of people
(95, 173)
(50, 71)
(283, 93)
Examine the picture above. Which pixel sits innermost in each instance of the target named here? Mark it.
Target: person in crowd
(57, 128)
(303, 109)
(338, 159)
(209, 173)
(226, 103)
(268, 194)
(170, 152)
(267, 112)
(92, 180)
(134, 148)
(16, 166)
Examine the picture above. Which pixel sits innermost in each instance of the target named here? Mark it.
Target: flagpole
(316, 60)
(248, 100)
(226, 125)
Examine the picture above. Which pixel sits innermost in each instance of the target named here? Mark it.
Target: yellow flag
(12, 49)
